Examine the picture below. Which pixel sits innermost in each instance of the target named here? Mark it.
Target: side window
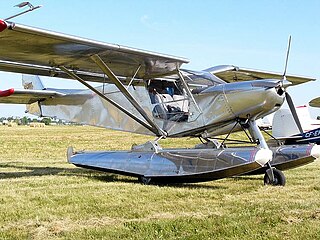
(169, 101)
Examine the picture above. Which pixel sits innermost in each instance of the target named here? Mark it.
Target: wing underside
(40, 52)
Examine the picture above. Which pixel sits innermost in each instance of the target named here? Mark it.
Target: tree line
(27, 120)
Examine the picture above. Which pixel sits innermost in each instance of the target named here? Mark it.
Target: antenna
(21, 5)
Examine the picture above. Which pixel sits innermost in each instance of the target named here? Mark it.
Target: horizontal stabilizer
(296, 137)
(26, 96)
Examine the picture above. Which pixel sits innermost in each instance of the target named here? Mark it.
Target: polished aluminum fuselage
(213, 112)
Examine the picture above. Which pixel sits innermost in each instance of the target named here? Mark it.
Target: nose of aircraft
(254, 98)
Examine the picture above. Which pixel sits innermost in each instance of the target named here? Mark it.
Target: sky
(250, 34)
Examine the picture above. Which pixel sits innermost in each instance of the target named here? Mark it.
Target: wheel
(279, 178)
(144, 180)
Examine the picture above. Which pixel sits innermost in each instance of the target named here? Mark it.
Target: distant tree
(24, 121)
(318, 118)
(46, 121)
(17, 121)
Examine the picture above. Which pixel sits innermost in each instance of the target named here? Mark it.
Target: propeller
(287, 58)
(288, 97)
(293, 111)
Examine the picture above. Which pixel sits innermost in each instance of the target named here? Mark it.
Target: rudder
(32, 82)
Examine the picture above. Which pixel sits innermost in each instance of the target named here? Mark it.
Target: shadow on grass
(111, 177)
(31, 171)
(202, 185)
(248, 177)
(28, 171)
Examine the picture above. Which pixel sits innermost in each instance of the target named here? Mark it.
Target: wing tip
(3, 25)
(6, 93)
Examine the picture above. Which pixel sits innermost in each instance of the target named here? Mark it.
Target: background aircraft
(286, 130)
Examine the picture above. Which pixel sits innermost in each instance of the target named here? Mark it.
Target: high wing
(230, 73)
(27, 96)
(36, 51)
(315, 102)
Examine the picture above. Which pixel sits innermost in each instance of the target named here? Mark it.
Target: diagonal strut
(126, 93)
(76, 77)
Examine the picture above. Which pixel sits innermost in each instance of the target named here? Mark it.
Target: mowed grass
(44, 197)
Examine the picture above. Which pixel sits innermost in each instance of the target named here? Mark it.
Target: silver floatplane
(149, 93)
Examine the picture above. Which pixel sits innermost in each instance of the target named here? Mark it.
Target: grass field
(44, 197)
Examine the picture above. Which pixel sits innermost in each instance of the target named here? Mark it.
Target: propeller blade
(287, 58)
(294, 112)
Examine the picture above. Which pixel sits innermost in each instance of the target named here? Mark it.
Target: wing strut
(113, 78)
(76, 77)
(188, 90)
(134, 76)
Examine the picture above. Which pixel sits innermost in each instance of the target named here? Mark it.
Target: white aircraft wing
(36, 51)
(230, 73)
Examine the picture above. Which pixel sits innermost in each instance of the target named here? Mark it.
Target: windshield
(201, 78)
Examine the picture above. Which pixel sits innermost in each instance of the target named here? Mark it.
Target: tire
(279, 178)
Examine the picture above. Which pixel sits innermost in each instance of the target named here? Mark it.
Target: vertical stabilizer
(32, 82)
(284, 125)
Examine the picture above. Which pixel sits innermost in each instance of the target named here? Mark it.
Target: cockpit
(169, 101)
(169, 97)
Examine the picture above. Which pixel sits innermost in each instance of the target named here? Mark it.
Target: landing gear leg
(273, 176)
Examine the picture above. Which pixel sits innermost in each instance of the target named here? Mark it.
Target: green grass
(44, 197)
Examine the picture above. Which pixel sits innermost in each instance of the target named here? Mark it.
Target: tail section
(284, 125)
(32, 82)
